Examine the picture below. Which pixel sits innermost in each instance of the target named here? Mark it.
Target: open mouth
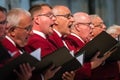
(69, 26)
(52, 25)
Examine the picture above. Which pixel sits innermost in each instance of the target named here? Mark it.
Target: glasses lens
(68, 16)
(29, 28)
(3, 22)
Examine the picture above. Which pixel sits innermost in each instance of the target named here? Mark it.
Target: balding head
(60, 10)
(82, 26)
(81, 17)
(64, 19)
(98, 25)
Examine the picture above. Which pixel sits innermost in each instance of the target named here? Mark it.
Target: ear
(11, 31)
(77, 27)
(36, 20)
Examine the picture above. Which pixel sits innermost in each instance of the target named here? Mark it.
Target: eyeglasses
(68, 16)
(28, 28)
(3, 22)
(87, 24)
(99, 25)
(50, 15)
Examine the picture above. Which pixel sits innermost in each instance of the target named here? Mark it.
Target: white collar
(39, 33)
(13, 44)
(10, 40)
(59, 34)
(77, 37)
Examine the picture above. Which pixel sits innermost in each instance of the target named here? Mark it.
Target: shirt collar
(59, 34)
(10, 40)
(39, 33)
(77, 37)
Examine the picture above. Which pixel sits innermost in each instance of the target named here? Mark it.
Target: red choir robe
(76, 44)
(36, 41)
(15, 52)
(84, 71)
(12, 49)
(56, 40)
(108, 71)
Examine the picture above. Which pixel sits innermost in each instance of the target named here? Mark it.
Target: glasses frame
(68, 16)
(87, 24)
(50, 15)
(28, 28)
(99, 25)
(3, 22)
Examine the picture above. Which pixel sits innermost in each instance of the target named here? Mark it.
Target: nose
(30, 32)
(92, 26)
(104, 27)
(71, 19)
(53, 17)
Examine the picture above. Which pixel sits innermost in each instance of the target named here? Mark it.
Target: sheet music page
(36, 54)
(80, 58)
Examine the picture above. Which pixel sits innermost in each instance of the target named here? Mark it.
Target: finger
(18, 74)
(25, 68)
(51, 67)
(56, 69)
(21, 68)
(29, 68)
(73, 73)
(111, 51)
(68, 74)
(96, 55)
(65, 76)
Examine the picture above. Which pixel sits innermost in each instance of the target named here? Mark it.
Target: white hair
(14, 16)
(113, 29)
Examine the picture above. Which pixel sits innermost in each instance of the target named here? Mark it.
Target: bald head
(81, 17)
(60, 10)
(82, 26)
(96, 19)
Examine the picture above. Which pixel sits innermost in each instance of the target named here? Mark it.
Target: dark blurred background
(108, 10)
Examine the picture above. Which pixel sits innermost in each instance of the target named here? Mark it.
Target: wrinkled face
(98, 26)
(64, 20)
(84, 27)
(2, 24)
(21, 33)
(85, 31)
(45, 19)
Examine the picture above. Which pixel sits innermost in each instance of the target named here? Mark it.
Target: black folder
(60, 57)
(6, 72)
(103, 43)
(4, 55)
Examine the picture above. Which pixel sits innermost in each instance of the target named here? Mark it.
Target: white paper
(80, 58)
(37, 54)
(72, 52)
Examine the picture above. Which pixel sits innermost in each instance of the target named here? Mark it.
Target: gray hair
(113, 29)
(94, 16)
(14, 16)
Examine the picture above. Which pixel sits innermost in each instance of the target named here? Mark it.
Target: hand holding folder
(60, 57)
(97, 61)
(103, 43)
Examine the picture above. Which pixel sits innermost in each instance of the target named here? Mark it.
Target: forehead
(25, 20)
(45, 9)
(42, 10)
(61, 10)
(97, 20)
